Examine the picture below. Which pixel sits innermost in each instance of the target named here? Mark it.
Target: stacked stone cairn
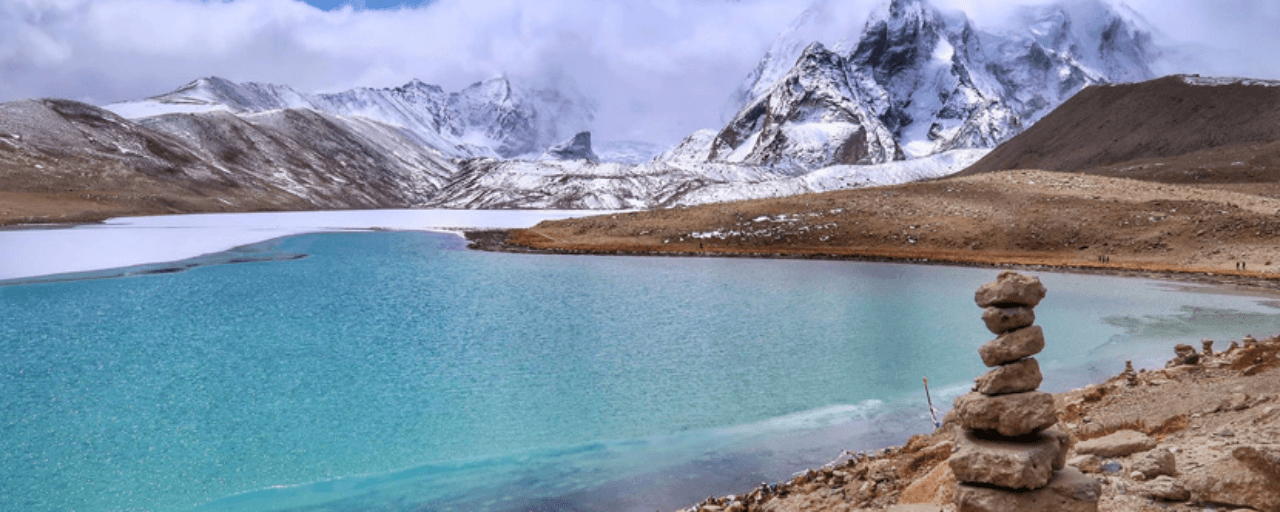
(1006, 458)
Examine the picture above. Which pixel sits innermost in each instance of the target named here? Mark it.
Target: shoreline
(1219, 417)
(499, 241)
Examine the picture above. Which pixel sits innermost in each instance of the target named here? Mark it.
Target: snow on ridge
(839, 177)
(583, 185)
(1211, 81)
(149, 108)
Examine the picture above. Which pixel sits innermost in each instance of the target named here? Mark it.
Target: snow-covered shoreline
(122, 242)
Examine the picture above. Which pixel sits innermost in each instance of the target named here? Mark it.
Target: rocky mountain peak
(933, 81)
(577, 147)
(810, 118)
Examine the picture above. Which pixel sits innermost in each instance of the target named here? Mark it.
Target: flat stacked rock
(1006, 459)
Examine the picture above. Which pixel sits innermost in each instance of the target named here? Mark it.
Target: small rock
(1088, 463)
(1226, 432)
(1184, 354)
(1017, 377)
(1069, 491)
(1137, 475)
(1163, 488)
(1111, 466)
(1207, 345)
(1014, 414)
(1022, 464)
(1117, 444)
(1012, 346)
(1179, 369)
(1010, 289)
(1154, 463)
(1235, 402)
(1002, 320)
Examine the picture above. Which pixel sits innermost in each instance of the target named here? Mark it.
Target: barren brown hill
(1009, 217)
(1232, 124)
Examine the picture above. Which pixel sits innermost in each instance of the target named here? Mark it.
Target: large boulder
(1261, 458)
(1017, 377)
(1237, 482)
(1015, 414)
(1010, 289)
(1117, 444)
(1012, 346)
(1026, 463)
(1068, 491)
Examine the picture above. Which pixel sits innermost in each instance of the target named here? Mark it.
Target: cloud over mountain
(659, 69)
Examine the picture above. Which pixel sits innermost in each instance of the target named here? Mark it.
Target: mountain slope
(178, 163)
(933, 81)
(1157, 119)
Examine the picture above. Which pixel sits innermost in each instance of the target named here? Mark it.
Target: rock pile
(1006, 459)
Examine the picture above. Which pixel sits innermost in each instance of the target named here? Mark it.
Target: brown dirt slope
(1103, 126)
(1010, 217)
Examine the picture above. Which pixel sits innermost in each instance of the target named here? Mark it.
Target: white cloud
(658, 68)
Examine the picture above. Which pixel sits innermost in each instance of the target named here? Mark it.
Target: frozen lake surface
(126, 241)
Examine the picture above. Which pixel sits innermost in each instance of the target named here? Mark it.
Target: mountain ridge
(488, 118)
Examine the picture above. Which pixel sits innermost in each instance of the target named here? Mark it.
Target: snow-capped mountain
(917, 81)
(489, 118)
(813, 117)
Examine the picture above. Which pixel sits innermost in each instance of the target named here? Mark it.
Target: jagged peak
(416, 85)
(577, 147)
(907, 8)
(898, 12)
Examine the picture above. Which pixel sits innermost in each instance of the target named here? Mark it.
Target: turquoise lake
(399, 371)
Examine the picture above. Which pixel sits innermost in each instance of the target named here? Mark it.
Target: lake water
(391, 371)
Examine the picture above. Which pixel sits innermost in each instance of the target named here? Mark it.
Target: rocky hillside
(918, 81)
(87, 158)
(1181, 129)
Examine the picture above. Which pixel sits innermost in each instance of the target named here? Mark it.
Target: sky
(657, 69)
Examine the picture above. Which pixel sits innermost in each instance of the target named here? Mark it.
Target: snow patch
(1227, 80)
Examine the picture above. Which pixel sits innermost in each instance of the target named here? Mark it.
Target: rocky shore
(1203, 432)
